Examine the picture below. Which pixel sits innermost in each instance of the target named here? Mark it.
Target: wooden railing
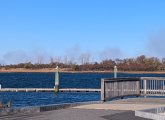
(121, 87)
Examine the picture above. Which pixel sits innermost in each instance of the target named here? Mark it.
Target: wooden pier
(48, 90)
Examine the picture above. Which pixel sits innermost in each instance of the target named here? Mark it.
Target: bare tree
(57, 59)
(84, 58)
(65, 59)
(40, 59)
(51, 60)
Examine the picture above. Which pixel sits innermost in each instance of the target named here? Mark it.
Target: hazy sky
(102, 28)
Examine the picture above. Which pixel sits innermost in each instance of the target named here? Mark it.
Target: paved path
(140, 101)
(116, 110)
(131, 107)
(128, 104)
(75, 114)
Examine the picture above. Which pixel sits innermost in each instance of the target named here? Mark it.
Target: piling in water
(56, 87)
(115, 71)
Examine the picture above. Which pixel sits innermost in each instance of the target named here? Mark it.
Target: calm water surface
(46, 80)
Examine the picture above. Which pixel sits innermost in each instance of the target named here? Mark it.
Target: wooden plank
(79, 90)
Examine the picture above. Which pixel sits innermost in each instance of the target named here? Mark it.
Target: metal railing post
(102, 90)
(145, 87)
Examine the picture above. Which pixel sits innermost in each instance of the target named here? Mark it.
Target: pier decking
(48, 90)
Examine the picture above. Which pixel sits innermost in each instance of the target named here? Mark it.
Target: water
(46, 80)
(22, 99)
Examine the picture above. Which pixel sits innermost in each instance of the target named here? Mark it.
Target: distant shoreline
(64, 71)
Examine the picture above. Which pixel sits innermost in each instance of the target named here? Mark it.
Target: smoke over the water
(72, 55)
(20, 56)
(157, 45)
(111, 53)
(15, 57)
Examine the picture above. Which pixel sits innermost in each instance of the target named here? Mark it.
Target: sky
(103, 29)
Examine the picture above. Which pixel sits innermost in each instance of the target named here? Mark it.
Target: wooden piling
(56, 87)
(102, 90)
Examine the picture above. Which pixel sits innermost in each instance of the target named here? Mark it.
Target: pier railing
(121, 87)
(152, 86)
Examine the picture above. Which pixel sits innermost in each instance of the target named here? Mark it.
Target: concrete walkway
(75, 114)
(116, 110)
(128, 104)
(131, 107)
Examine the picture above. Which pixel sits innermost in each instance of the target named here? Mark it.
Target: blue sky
(101, 28)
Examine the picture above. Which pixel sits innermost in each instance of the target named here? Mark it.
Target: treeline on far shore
(141, 63)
